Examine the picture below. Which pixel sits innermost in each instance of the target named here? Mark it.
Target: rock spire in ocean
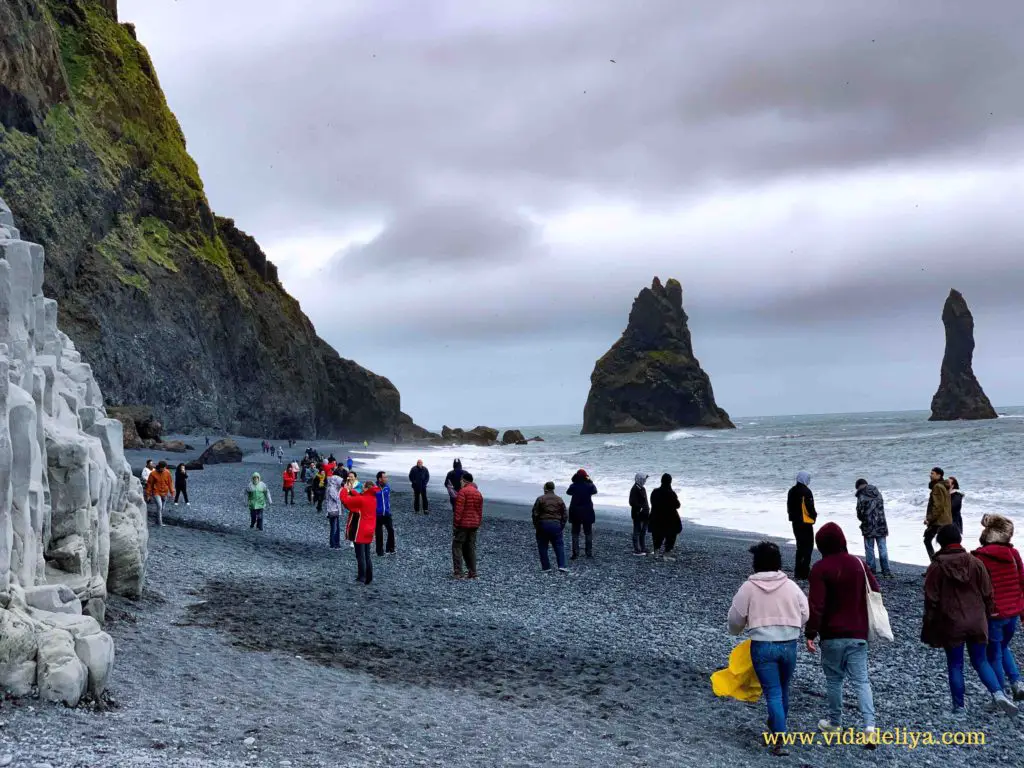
(959, 396)
(650, 380)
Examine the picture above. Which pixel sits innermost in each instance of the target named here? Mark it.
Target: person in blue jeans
(771, 608)
(873, 526)
(549, 518)
(839, 616)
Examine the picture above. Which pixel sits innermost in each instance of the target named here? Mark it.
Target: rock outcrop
(483, 436)
(649, 380)
(72, 519)
(224, 451)
(959, 396)
(513, 437)
(174, 307)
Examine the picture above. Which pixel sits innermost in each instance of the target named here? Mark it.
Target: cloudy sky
(466, 195)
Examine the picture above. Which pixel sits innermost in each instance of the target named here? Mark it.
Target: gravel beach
(261, 649)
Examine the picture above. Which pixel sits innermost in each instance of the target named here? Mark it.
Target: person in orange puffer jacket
(362, 524)
(160, 488)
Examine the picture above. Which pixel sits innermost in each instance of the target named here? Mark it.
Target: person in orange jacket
(289, 485)
(160, 488)
(362, 524)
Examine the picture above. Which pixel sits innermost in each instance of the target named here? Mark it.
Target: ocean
(738, 479)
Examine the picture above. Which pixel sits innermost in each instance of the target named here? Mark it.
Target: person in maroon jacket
(839, 615)
(469, 514)
(1004, 566)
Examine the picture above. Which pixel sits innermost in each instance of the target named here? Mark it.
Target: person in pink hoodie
(772, 609)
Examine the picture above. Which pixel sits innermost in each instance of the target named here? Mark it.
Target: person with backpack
(384, 519)
(258, 497)
(957, 606)
(666, 524)
(802, 516)
(873, 527)
(1003, 563)
(181, 485)
(581, 512)
(640, 512)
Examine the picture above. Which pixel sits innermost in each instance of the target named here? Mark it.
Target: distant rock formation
(513, 437)
(224, 451)
(649, 380)
(959, 396)
(72, 517)
(484, 436)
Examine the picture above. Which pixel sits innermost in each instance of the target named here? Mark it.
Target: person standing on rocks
(581, 511)
(453, 481)
(666, 524)
(873, 527)
(288, 486)
(640, 511)
(940, 510)
(772, 609)
(839, 614)
(802, 514)
(362, 524)
(384, 521)
(467, 519)
(160, 489)
(957, 606)
(258, 497)
(1003, 563)
(549, 519)
(419, 476)
(332, 503)
(956, 503)
(181, 485)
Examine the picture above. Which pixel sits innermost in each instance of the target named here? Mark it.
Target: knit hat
(997, 530)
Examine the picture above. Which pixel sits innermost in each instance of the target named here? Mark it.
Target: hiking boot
(887, 575)
(871, 736)
(472, 575)
(1003, 702)
(574, 556)
(640, 554)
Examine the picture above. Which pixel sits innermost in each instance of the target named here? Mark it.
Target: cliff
(175, 307)
(959, 396)
(649, 380)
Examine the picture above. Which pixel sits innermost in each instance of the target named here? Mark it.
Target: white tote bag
(879, 630)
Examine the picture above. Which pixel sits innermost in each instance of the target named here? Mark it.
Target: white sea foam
(679, 434)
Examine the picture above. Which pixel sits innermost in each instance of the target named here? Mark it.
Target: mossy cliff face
(173, 306)
(649, 380)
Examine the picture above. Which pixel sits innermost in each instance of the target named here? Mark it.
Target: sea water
(738, 479)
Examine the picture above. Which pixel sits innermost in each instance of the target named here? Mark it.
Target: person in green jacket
(258, 496)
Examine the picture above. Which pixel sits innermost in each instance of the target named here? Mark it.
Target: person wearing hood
(940, 509)
(453, 481)
(802, 514)
(666, 524)
(581, 511)
(640, 511)
(258, 496)
(956, 502)
(873, 527)
(549, 518)
(1003, 563)
(839, 615)
(772, 609)
(957, 606)
(419, 476)
(384, 521)
(332, 505)
(362, 525)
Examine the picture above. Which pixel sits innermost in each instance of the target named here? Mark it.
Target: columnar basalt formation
(72, 517)
(959, 396)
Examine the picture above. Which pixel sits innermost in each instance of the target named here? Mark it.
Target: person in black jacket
(800, 506)
(581, 512)
(956, 502)
(181, 485)
(453, 481)
(640, 511)
(665, 521)
(419, 476)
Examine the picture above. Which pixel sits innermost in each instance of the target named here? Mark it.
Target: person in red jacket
(362, 524)
(469, 514)
(839, 614)
(288, 481)
(1004, 566)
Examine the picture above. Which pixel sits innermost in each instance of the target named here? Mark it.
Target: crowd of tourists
(159, 487)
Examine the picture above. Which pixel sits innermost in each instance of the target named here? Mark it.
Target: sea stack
(960, 396)
(649, 381)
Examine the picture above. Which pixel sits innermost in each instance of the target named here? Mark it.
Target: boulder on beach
(483, 436)
(171, 446)
(513, 437)
(224, 451)
(195, 464)
(650, 380)
(959, 396)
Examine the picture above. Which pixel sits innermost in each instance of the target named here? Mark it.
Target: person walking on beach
(160, 489)
(581, 511)
(1003, 563)
(320, 487)
(332, 505)
(348, 463)
(258, 496)
(147, 471)
(310, 473)
(772, 609)
(419, 476)
(467, 519)
(280, 454)
(288, 485)
(957, 606)
(181, 484)
(802, 514)
(956, 502)
(873, 527)
(453, 481)
(839, 615)
(384, 519)
(640, 511)
(940, 510)
(362, 524)
(666, 524)
(549, 519)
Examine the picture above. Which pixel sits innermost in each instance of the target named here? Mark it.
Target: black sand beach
(261, 649)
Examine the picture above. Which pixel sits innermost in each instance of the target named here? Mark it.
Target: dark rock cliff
(173, 306)
(650, 380)
(959, 396)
